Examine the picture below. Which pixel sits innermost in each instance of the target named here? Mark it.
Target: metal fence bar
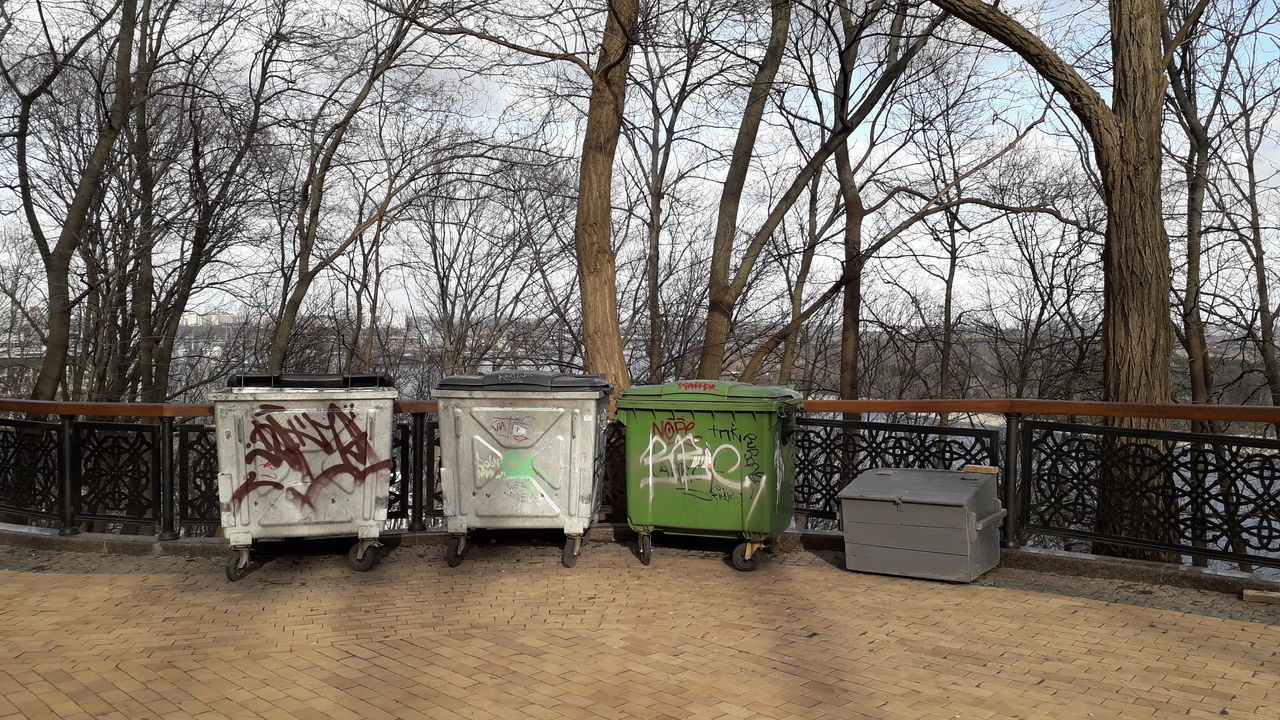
(123, 458)
(419, 439)
(30, 476)
(1009, 538)
(197, 492)
(69, 472)
(168, 515)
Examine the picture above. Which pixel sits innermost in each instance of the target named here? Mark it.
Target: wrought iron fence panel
(614, 493)
(434, 497)
(119, 471)
(29, 468)
(1189, 494)
(830, 453)
(197, 468)
(401, 471)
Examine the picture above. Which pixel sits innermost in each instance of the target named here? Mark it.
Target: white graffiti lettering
(685, 461)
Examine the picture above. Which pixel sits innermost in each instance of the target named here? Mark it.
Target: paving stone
(512, 634)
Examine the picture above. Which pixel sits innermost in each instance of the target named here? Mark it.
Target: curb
(1057, 562)
(1061, 562)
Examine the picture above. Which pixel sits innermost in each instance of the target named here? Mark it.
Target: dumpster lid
(714, 391)
(912, 485)
(525, 381)
(296, 380)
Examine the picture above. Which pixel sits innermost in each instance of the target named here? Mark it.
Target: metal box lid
(954, 488)
(322, 381)
(525, 381)
(712, 393)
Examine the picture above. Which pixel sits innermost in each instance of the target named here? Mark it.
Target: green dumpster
(713, 459)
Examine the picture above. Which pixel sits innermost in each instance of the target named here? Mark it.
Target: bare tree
(30, 86)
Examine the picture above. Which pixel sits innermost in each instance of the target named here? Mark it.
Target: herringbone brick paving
(511, 634)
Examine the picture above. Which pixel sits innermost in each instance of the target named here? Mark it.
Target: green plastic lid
(710, 392)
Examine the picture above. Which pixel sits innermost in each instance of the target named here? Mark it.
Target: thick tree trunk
(1193, 324)
(1137, 332)
(720, 297)
(1137, 338)
(144, 281)
(285, 323)
(597, 272)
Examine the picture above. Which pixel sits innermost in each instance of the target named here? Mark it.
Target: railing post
(418, 439)
(67, 470)
(168, 520)
(1012, 431)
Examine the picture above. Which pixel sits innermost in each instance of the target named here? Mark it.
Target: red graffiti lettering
(696, 385)
(335, 442)
(670, 427)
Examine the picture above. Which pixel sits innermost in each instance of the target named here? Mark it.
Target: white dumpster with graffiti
(296, 460)
(522, 450)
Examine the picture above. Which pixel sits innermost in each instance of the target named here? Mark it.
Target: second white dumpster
(521, 449)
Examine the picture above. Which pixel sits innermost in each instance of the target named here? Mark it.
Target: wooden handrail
(1020, 406)
(1025, 406)
(105, 409)
(152, 410)
(417, 406)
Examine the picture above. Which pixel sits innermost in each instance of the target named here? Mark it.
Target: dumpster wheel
(741, 560)
(237, 564)
(454, 552)
(572, 550)
(366, 563)
(646, 548)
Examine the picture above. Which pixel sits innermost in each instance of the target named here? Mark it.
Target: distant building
(195, 319)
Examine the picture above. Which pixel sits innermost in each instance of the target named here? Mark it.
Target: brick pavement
(512, 634)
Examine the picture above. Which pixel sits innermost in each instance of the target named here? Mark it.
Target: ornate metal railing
(1167, 493)
(1095, 487)
(830, 453)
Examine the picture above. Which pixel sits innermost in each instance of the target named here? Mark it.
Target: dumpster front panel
(708, 457)
(521, 460)
(299, 466)
(686, 470)
(520, 456)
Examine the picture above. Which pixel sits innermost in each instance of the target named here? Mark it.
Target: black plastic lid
(295, 380)
(525, 381)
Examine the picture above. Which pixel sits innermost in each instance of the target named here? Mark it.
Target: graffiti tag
(515, 427)
(318, 449)
(687, 461)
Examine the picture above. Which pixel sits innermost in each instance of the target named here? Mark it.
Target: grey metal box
(937, 524)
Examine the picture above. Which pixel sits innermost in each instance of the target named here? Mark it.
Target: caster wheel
(646, 549)
(454, 552)
(237, 565)
(572, 551)
(365, 564)
(740, 560)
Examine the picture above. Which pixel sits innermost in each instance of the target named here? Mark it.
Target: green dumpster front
(710, 458)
